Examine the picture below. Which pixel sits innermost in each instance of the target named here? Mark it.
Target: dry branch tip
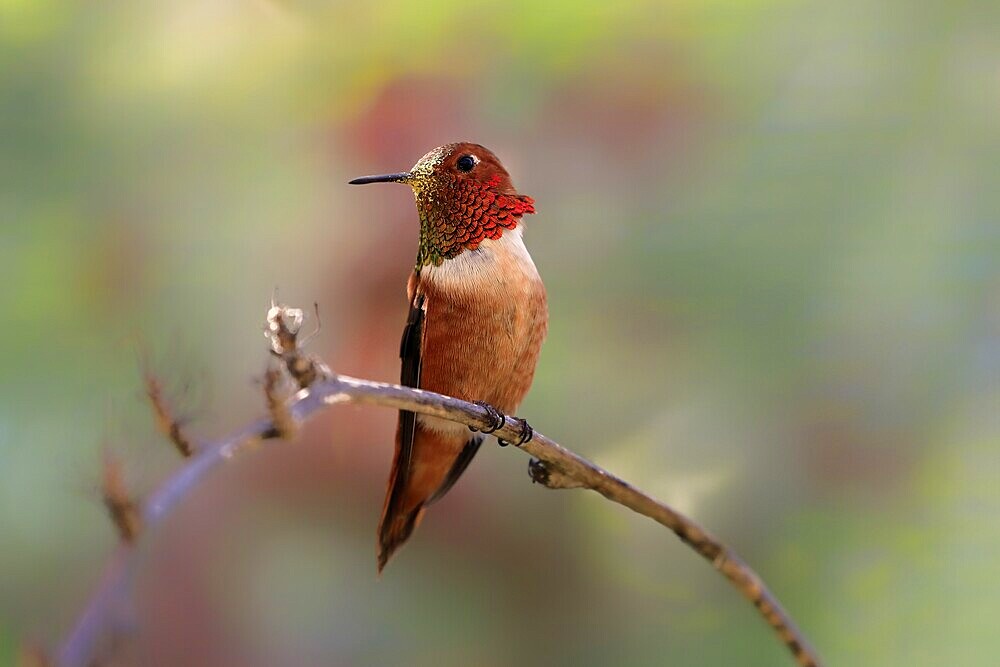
(281, 327)
(166, 422)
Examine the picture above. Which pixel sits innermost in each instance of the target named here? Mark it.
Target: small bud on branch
(281, 327)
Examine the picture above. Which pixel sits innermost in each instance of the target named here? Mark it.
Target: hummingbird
(477, 319)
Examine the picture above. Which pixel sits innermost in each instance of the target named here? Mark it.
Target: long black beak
(402, 177)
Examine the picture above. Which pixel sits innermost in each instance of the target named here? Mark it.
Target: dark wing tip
(383, 558)
(394, 531)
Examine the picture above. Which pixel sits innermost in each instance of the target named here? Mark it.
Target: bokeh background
(770, 234)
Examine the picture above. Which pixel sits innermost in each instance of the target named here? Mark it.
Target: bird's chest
(485, 321)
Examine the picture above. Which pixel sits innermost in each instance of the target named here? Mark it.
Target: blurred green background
(770, 235)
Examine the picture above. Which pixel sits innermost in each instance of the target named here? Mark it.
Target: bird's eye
(466, 163)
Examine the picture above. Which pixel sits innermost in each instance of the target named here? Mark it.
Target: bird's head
(464, 196)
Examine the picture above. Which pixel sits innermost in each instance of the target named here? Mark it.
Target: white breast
(493, 264)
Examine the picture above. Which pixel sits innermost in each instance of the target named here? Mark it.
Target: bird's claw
(527, 433)
(497, 419)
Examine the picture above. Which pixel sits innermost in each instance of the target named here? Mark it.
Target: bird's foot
(527, 433)
(497, 419)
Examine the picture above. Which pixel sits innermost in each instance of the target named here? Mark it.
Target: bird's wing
(410, 492)
(409, 352)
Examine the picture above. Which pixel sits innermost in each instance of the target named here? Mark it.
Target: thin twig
(555, 464)
(117, 500)
(277, 406)
(166, 422)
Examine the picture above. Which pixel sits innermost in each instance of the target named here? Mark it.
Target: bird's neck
(458, 216)
(493, 264)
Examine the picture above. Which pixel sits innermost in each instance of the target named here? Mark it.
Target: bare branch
(553, 466)
(556, 467)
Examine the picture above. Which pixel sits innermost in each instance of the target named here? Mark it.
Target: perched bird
(478, 316)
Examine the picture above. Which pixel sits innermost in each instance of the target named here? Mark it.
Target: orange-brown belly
(484, 346)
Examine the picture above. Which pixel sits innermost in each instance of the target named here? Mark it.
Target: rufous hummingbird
(478, 316)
